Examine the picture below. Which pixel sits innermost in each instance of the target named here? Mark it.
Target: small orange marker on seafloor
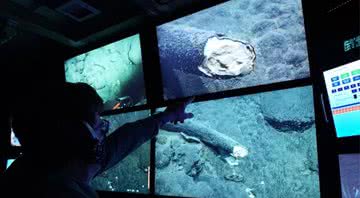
(116, 106)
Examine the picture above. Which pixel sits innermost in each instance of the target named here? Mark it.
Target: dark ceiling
(80, 23)
(76, 23)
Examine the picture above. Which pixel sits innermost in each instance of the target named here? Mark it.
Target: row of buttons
(346, 88)
(336, 78)
(346, 75)
(346, 81)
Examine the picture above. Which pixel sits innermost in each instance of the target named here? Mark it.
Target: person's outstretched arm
(130, 136)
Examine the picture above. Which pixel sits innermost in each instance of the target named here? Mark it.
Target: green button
(355, 72)
(345, 75)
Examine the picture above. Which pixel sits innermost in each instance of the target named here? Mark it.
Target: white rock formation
(239, 151)
(227, 57)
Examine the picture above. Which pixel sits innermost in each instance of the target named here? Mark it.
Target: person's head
(81, 102)
(62, 121)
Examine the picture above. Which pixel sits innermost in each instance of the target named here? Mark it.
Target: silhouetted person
(65, 144)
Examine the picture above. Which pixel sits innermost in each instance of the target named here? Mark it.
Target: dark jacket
(29, 177)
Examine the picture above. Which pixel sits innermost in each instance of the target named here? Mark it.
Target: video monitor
(9, 162)
(343, 89)
(14, 141)
(350, 175)
(130, 174)
(260, 145)
(114, 70)
(233, 45)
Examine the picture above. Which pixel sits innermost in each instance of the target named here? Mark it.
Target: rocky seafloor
(131, 174)
(277, 129)
(114, 70)
(274, 28)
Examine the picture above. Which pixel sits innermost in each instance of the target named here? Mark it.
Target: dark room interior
(275, 88)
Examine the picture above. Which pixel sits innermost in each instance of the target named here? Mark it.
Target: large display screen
(343, 89)
(131, 174)
(350, 175)
(14, 141)
(114, 70)
(9, 162)
(236, 44)
(261, 145)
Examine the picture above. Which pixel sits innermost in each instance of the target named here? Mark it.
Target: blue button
(346, 87)
(335, 84)
(354, 90)
(340, 89)
(333, 91)
(345, 81)
(356, 78)
(353, 85)
(359, 84)
(334, 78)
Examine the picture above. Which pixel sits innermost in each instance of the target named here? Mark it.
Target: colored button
(355, 96)
(345, 81)
(359, 84)
(344, 75)
(333, 91)
(355, 72)
(334, 78)
(354, 90)
(353, 86)
(335, 84)
(356, 78)
(346, 87)
(340, 89)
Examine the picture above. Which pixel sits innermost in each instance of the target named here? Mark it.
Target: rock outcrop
(219, 142)
(296, 113)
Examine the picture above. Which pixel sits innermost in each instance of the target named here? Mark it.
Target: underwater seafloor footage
(130, 174)
(240, 43)
(261, 145)
(350, 175)
(114, 70)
